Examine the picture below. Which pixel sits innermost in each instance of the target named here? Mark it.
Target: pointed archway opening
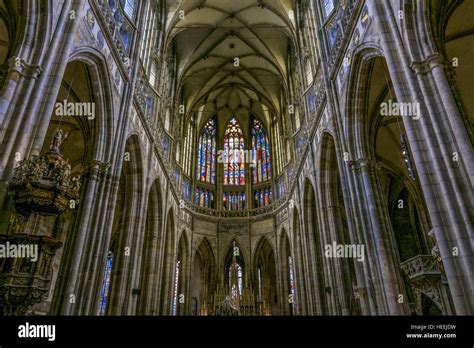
(266, 284)
(203, 281)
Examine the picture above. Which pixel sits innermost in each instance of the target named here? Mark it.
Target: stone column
(337, 280)
(83, 249)
(446, 183)
(296, 246)
(377, 230)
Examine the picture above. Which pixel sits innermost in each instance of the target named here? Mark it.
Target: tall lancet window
(236, 283)
(174, 308)
(291, 284)
(260, 153)
(188, 148)
(206, 166)
(261, 168)
(104, 292)
(129, 7)
(234, 163)
(328, 6)
(234, 157)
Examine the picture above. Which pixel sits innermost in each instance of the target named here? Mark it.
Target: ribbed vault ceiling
(208, 38)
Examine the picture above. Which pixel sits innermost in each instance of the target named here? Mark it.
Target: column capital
(98, 168)
(361, 163)
(23, 68)
(427, 65)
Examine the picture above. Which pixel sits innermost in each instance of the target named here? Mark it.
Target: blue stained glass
(125, 35)
(261, 148)
(234, 172)
(100, 39)
(312, 102)
(129, 8)
(106, 284)
(207, 153)
(328, 6)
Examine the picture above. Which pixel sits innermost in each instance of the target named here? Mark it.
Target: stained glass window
(233, 200)
(204, 198)
(234, 164)
(129, 7)
(236, 285)
(206, 166)
(260, 153)
(259, 277)
(106, 283)
(297, 120)
(328, 6)
(187, 149)
(309, 72)
(291, 282)
(278, 147)
(175, 290)
(262, 197)
(151, 35)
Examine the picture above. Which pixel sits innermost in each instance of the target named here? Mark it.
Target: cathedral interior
(250, 157)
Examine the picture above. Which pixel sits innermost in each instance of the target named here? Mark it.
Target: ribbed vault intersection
(231, 56)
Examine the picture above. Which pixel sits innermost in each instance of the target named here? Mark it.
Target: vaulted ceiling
(208, 36)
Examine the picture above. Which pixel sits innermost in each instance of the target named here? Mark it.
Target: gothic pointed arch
(203, 281)
(84, 81)
(300, 262)
(150, 280)
(266, 278)
(100, 83)
(124, 231)
(334, 221)
(168, 268)
(288, 300)
(315, 249)
(181, 276)
(235, 270)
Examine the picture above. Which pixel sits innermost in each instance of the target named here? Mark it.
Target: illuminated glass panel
(129, 7)
(204, 198)
(233, 200)
(236, 284)
(187, 149)
(175, 290)
(206, 166)
(328, 6)
(106, 283)
(262, 197)
(291, 282)
(261, 170)
(234, 164)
